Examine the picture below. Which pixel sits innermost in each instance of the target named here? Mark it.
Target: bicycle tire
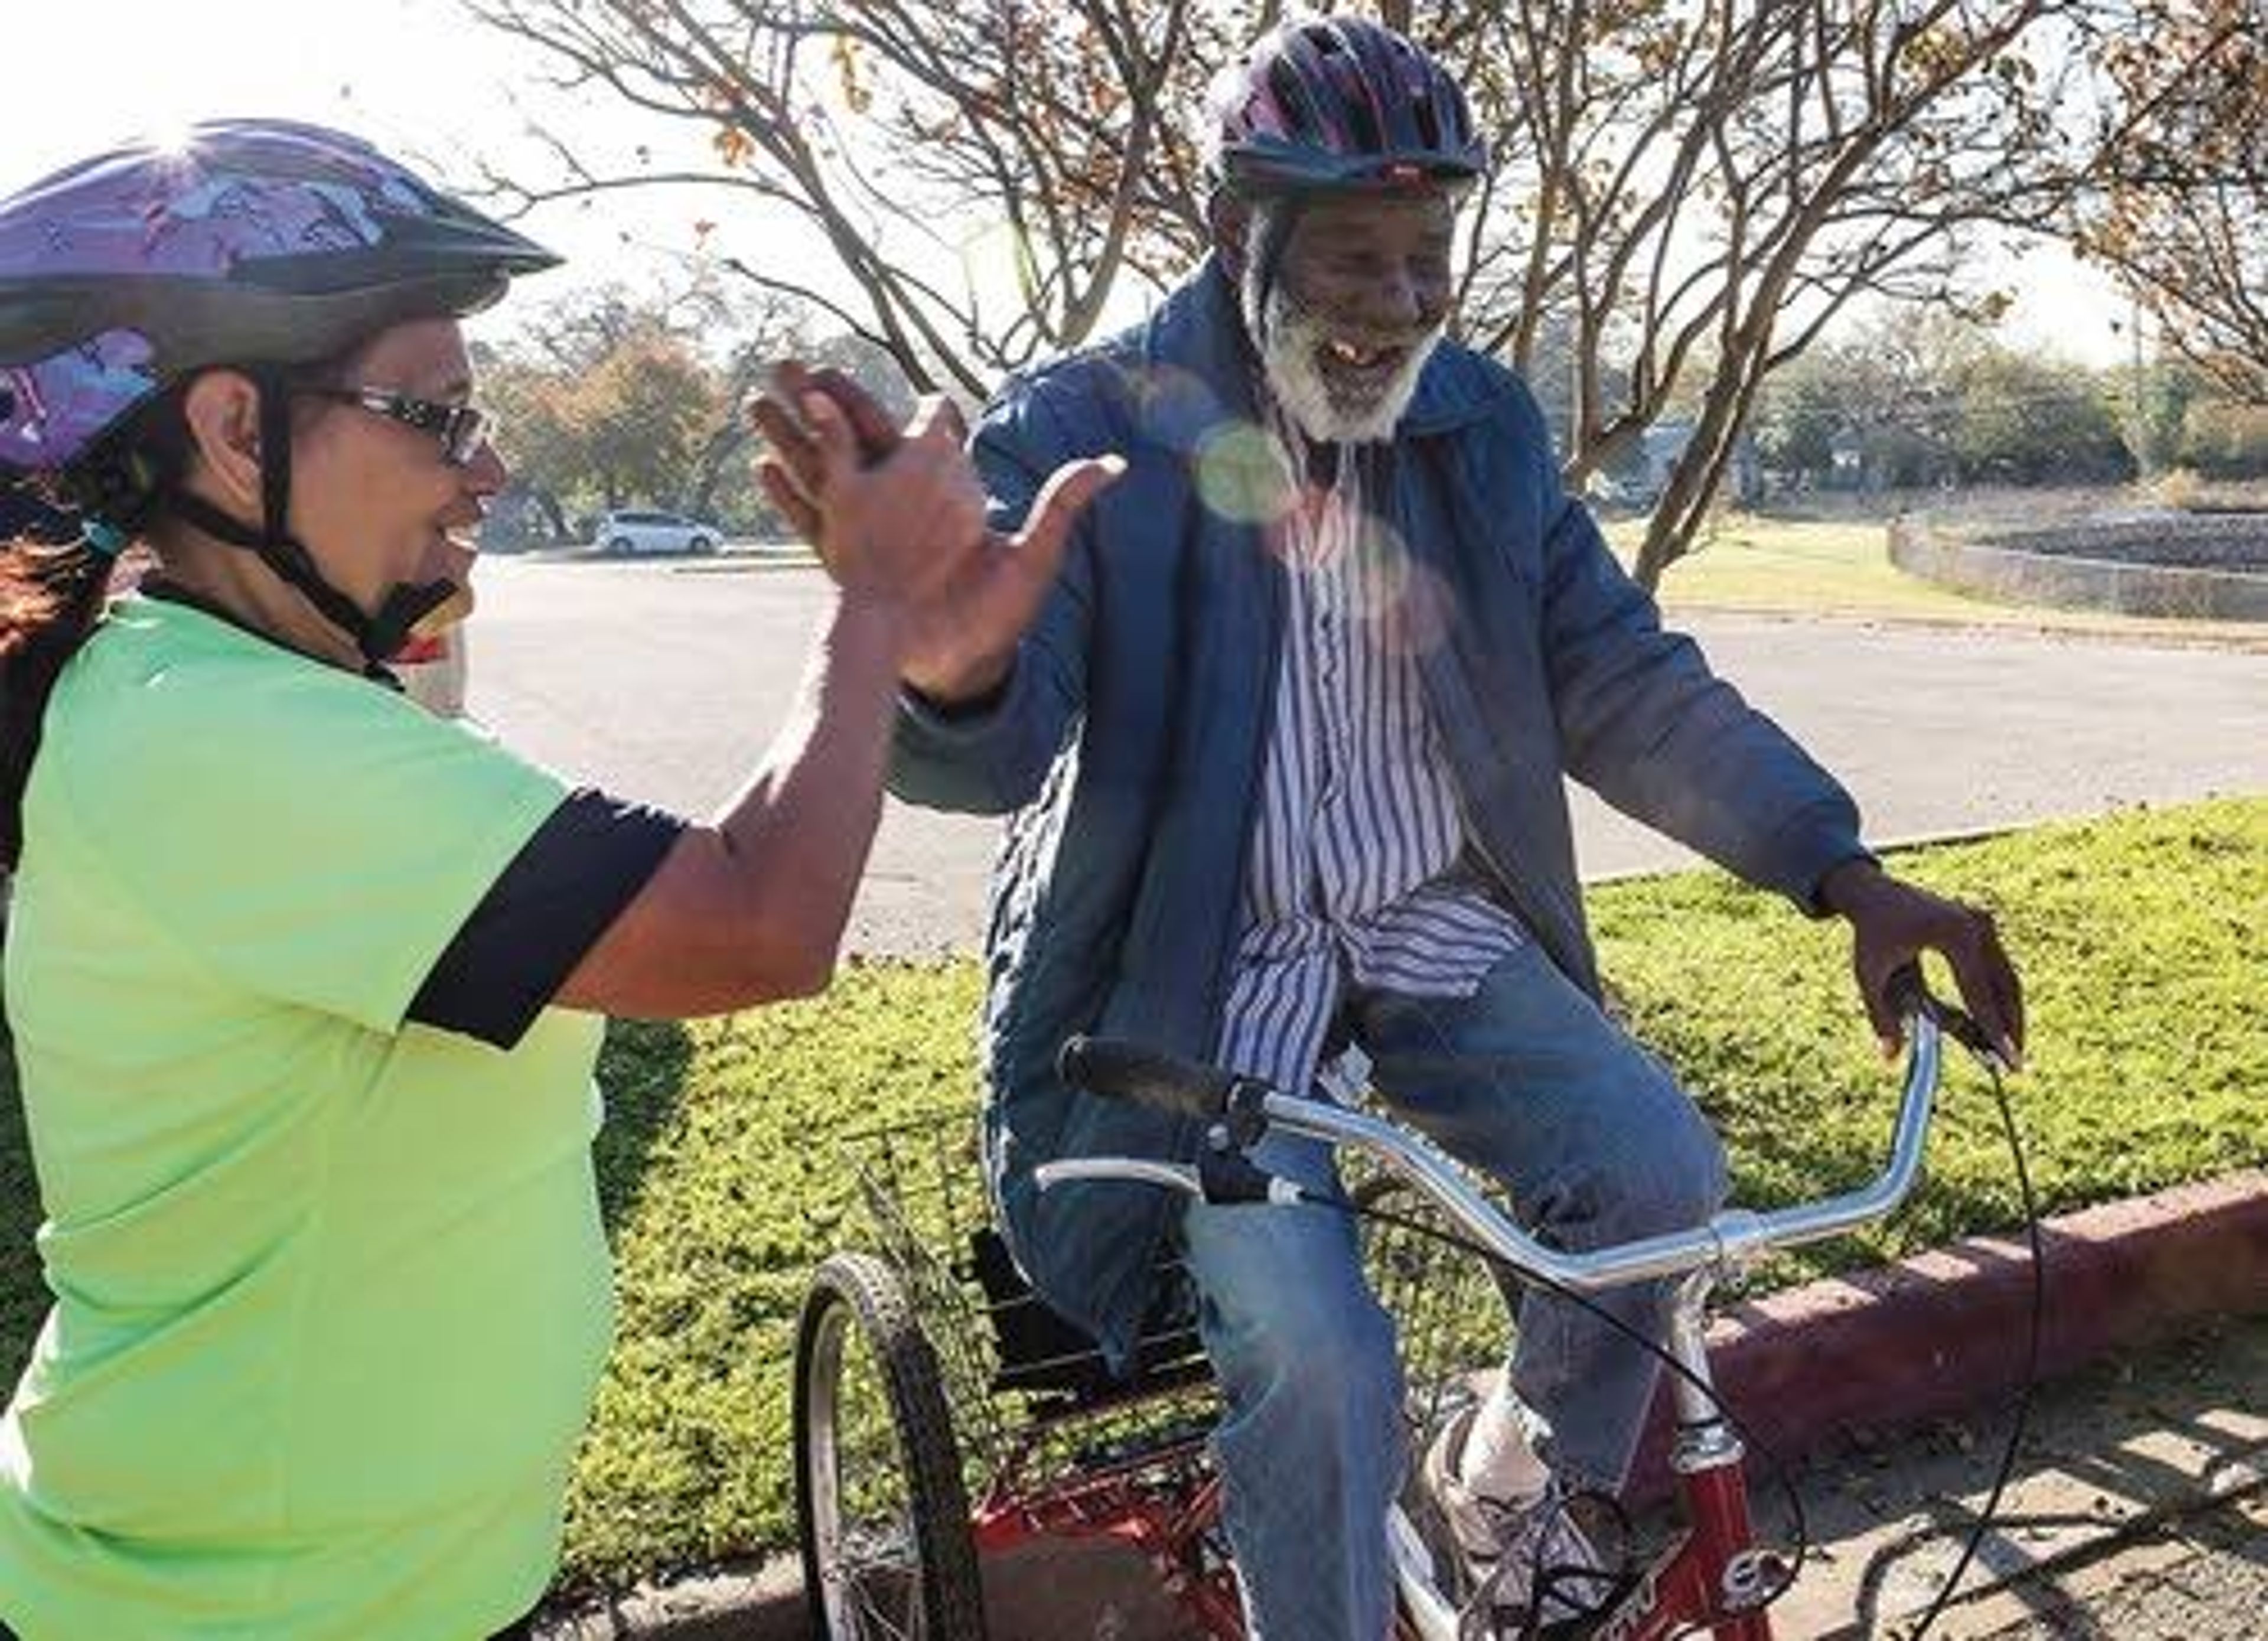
(885, 1538)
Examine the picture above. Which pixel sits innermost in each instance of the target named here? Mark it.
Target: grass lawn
(1750, 562)
(2140, 936)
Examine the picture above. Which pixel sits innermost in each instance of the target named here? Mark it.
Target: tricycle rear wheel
(881, 1510)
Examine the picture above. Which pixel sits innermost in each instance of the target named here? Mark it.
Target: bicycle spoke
(882, 1601)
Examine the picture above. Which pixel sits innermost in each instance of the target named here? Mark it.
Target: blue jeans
(1594, 1142)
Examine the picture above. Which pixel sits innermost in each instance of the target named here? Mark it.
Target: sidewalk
(2130, 1473)
(1826, 1373)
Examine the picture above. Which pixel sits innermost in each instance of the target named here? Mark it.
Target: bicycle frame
(1168, 1524)
(1713, 1575)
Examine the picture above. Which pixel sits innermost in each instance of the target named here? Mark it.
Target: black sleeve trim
(563, 891)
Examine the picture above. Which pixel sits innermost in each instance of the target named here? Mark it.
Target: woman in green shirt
(306, 985)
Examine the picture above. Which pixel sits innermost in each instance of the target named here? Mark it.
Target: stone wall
(2211, 568)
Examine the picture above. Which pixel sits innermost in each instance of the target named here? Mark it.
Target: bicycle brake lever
(1228, 1176)
(1225, 1173)
(1244, 1113)
(1910, 996)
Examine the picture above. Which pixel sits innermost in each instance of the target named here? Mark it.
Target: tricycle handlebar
(1242, 1108)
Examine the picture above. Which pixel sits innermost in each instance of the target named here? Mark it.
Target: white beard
(1289, 337)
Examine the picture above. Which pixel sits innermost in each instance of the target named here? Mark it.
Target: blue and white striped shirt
(1352, 880)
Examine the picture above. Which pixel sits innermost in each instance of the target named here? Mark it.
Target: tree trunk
(709, 471)
(553, 514)
(1700, 467)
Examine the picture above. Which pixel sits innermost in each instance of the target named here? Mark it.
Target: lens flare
(1242, 474)
(1403, 600)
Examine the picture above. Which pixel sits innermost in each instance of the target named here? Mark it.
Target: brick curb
(1937, 1333)
(1944, 1331)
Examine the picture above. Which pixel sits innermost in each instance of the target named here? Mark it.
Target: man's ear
(1230, 219)
(222, 410)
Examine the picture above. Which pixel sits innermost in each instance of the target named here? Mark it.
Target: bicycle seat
(1043, 1354)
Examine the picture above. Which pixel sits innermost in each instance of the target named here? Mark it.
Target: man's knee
(1645, 1162)
(1323, 1343)
(1674, 1175)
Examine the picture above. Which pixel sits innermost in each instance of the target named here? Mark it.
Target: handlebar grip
(1908, 993)
(1125, 1070)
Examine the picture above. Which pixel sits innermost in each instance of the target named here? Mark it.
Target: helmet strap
(378, 637)
(1275, 223)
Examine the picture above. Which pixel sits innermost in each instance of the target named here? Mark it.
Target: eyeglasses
(461, 428)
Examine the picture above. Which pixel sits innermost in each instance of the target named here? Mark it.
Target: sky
(431, 87)
(418, 77)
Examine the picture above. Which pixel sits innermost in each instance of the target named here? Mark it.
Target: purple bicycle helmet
(1341, 103)
(259, 245)
(253, 241)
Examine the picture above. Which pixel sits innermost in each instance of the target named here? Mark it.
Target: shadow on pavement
(2121, 1465)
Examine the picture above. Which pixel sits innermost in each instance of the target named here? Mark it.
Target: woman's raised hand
(968, 593)
(894, 525)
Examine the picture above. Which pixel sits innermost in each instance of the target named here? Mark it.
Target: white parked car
(637, 530)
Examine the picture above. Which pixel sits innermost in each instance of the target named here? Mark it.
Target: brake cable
(2031, 1374)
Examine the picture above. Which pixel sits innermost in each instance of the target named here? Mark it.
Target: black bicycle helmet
(1341, 103)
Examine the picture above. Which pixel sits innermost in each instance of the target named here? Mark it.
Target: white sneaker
(1509, 1549)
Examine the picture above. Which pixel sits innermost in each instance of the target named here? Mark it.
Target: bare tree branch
(1673, 184)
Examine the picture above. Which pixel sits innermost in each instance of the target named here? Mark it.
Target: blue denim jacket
(1127, 740)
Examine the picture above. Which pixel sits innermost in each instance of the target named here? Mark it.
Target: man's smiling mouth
(1356, 356)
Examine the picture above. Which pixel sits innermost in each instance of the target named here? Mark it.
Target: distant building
(1643, 473)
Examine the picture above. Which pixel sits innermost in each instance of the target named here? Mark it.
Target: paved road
(664, 683)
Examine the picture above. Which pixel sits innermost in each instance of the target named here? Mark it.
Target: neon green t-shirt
(331, 1291)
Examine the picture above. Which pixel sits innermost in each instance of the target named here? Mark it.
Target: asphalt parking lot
(663, 681)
